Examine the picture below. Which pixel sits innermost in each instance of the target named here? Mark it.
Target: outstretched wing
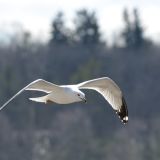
(42, 85)
(38, 85)
(111, 92)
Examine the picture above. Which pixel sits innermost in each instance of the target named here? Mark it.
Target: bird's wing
(111, 92)
(38, 85)
(42, 85)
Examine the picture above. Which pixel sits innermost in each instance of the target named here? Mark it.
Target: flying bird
(65, 94)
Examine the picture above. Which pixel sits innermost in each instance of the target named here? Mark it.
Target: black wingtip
(123, 112)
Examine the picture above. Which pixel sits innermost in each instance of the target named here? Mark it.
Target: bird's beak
(84, 100)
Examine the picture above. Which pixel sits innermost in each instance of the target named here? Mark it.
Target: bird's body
(65, 94)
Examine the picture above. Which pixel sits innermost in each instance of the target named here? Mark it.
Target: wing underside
(38, 85)
(111, 92)
(42, 85)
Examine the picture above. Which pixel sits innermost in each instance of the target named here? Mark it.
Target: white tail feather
(39, 99)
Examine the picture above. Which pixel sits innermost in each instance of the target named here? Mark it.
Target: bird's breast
(61, 97)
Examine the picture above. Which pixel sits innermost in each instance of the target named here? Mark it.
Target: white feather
(107, 88)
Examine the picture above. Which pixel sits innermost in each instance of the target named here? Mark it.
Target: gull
(66, 94)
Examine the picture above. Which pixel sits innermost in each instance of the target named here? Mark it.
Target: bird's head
(81, 96)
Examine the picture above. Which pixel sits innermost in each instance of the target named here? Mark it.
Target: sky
(36, 15)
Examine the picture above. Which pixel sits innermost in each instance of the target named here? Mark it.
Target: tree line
(87, 30)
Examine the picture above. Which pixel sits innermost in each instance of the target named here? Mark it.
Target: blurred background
(68, 42)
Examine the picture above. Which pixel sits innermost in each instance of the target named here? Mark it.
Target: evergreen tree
(127, 34)
(133, 34)
(87, 27)
(58, 34)
(138, 30)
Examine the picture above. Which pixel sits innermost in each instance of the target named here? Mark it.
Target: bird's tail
(42, 99)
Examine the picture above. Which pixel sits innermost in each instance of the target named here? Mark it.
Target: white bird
(65, 94)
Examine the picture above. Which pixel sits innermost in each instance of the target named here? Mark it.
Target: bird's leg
(48, 101)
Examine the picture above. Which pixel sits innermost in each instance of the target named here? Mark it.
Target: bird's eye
(78, 94)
